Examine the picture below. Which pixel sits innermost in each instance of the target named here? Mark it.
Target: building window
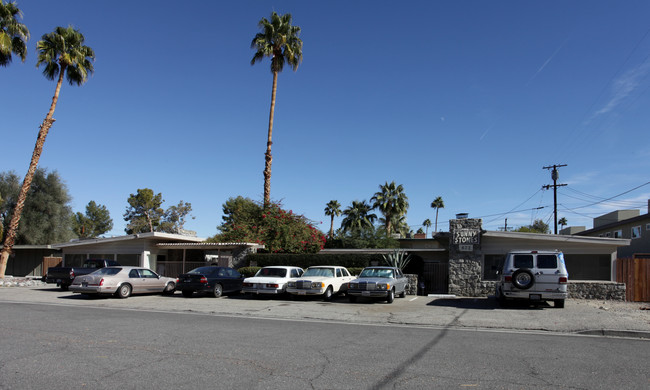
(636, 232)
(618, 234)
(492, 264)
(647, 226)
(608, 234)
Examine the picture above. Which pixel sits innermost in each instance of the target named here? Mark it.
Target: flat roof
(139, 236)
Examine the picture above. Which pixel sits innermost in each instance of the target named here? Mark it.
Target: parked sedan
(271, 280)
(123, 281)
(210, 280)
(325, 281)
(378, 282)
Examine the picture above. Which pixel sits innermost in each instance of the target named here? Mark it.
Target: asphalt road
(74, 343)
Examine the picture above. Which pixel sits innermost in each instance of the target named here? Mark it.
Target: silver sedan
(123, 281)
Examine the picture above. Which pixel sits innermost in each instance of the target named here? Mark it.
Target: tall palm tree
(62, 52)
(563, 222)
(278, 40)
(358, 217)
(392, 202)
(13, 35)
(427, 224)
(437, 204)
(332, 209)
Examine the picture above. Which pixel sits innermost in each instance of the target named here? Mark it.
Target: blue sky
(467, 100)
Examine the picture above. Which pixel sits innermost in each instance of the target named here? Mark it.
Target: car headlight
(291, 284)
(317, 285)
(353, 285)
(383, 286)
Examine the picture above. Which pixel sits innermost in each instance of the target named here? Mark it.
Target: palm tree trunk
(332, 227)
(436, 219)
(268, 157)
(10, 238)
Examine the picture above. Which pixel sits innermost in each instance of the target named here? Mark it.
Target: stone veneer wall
(597, 290)
(465, 266)
(413, 284)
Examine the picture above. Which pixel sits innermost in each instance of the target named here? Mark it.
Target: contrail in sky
(541, 68)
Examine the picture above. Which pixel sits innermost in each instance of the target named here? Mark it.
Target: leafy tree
(358, 217)
(427, 224)
(278, 40)
(13, 35)
(62, 52)
(280, 231)
(94, 223)
(47, 212)
(437, 204)
(538, 226)
(144, 213)
(175, 216)
(392, 202)
(332, 209)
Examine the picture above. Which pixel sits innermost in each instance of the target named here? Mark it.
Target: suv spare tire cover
(523, 279)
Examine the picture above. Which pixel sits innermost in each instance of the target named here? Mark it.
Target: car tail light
(508, 279)
(71, 274)
(203, 279)
(248, 284)
(101, 282)
(273, 285)
(177, 280)
(563, 280)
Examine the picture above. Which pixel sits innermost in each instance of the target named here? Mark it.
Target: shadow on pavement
(489, 303)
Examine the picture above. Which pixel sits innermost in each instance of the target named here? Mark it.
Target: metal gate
(436, 278)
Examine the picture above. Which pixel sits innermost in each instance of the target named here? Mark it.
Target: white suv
(535, 276)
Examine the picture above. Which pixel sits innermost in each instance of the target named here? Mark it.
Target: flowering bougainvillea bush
(279, 230)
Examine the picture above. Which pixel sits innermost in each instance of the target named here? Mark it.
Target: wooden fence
(635, 273)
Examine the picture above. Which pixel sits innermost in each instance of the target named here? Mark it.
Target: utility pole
(554, 175)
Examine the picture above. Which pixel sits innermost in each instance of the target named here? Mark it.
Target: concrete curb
(616, 333)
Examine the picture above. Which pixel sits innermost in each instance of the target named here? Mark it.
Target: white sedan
(271, 280)
(323, 280)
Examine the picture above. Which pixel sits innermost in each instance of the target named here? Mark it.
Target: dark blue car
(210, 280)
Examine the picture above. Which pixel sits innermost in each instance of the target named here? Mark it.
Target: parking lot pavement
(587, 316)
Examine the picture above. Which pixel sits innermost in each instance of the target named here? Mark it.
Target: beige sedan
(123, 281)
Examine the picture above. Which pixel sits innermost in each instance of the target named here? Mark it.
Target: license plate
(365, 293)
(84, 284)
(58, 280)
(535, 297)
(187, 280)
(302, 292)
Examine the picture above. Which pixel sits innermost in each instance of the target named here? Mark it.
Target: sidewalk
(609, 318)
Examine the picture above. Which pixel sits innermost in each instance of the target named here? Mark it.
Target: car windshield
(107, 271)
(376, 273)
(204, 270)
(272, 272)
(327, 272)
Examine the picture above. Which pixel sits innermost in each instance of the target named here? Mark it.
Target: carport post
(184, 260)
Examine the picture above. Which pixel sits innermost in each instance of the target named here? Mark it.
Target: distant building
(629, 224)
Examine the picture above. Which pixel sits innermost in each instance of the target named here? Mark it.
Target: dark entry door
(436, 278)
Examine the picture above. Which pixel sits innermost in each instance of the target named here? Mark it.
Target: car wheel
(403, 293)
(124, 291)
(391, 296)
(327, 296)
(523, 279)
(64, 287)
(352, 298)
(170, 288)
(558, 303)
(217, 291)
(188, 293)
(501, 299)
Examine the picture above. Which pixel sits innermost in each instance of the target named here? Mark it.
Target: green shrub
(355, 270)
(306, 260)
(248, 271)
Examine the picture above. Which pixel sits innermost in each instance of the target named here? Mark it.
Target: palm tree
(333, 209)
(563, 222)
(427, 224)
(437, 204)
(278, 40)
(392, 202)
(358, 217)
(62, 52)
(13, 35)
